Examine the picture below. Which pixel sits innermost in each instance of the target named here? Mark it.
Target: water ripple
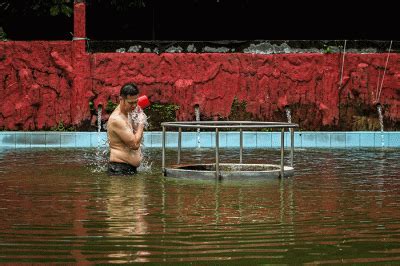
(340, 207)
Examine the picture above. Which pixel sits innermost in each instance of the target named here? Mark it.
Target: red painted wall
(307, 83)
(45, 83)
(36, 83)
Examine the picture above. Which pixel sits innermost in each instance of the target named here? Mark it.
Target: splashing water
(145, 165)
(288, 114)
(139, 117)
(379, 107)
(101, 158)
(100, 162)
(197, 113)
(99, 109)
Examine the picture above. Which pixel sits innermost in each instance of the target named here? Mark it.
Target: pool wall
(50, 85)
(304, 139)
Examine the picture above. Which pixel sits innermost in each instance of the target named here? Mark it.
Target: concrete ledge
(304, 139)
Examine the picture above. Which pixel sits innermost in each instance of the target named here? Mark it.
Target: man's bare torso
(120, 151)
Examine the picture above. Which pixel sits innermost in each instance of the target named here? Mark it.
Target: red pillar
(79, 19)
(81, 89)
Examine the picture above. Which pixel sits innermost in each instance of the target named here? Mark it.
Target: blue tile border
(308, 139)
(153, 139)
(352, 140)
(338, 140)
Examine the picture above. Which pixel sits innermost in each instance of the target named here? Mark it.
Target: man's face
(130, 102)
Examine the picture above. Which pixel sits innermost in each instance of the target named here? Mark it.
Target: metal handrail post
(282, 151)
(241, 145)
(217, 153)
(179, 145)
(291, 146)
(163, 150)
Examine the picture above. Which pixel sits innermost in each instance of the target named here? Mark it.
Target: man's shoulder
(116, 116)
(115, 119)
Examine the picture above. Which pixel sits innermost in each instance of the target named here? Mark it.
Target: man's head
(128, 97)
(129, 89)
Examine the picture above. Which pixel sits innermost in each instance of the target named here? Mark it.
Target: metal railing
(217, 125)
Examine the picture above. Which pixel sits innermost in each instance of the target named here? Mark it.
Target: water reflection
(126, 209)
(341, 205)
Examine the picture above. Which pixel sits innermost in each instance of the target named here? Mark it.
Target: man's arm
(130, 138)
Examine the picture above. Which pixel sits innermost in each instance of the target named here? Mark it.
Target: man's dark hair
(129, 89)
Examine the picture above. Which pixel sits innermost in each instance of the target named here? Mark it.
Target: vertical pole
(291, 146)
(79, 71)
(241, 145)
(179, 145)
(282, 150)
(80, 20)
(217, 153)
(163, 150)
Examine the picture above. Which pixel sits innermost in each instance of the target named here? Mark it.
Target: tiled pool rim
(153, 139)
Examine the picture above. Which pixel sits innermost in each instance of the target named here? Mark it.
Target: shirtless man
(123, 135)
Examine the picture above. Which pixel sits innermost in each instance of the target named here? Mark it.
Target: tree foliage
(24, 19)
(60, 7)
(118, 5)
(12, 8)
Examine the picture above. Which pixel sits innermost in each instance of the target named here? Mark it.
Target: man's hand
(139, 118)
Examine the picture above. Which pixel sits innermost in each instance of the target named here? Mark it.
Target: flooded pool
(341, 206)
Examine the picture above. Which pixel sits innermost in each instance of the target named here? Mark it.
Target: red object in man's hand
(143, 101)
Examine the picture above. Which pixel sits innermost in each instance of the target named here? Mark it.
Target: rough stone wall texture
(308, 84)
(43, 84)
(36, 82)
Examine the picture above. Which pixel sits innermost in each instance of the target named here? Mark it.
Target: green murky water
(342, 206)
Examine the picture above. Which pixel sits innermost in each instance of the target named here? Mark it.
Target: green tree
(118, 5)
(38, 7)
(11, 11)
